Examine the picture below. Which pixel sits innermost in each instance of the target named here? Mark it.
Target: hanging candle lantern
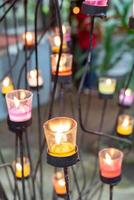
(125, 125)
(126, 97)
(110, 165)
(59, 183)
(107, 86)
(32, 78)
(7, 85)
(17, 166)
(65, 68)
(60, 133)
(19, 104)
(28, 39)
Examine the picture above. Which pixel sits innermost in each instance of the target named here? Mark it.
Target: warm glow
(128, 92)
(6, 81)
(63, 29)
(108, 81)
(76, 10)
(18, 166)
(125, 122)
(60, 127)
(16, 102)
(22, 95)
(33, 73)
(57, 40)
(28, 36)
(108, 159)
(61, 182)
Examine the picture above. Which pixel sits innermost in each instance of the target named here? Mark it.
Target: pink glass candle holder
(110, 163)
(96, 2)
(19, 104)
(126, 97)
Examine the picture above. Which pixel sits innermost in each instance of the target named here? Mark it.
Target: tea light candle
(65, 68)
(18, 168)
(126, 97)
(19, 104)
(107, 86)
(60, 134)
(125, 125)
(97, 2)
(7, 85)
(29, 39)
(110, 162)
(32, 78)
(59, 183)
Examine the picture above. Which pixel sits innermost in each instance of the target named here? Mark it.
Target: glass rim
(105, 77)
(19, 90)
(56, 54)
(125, 115)
(53, 132)
(117, 150)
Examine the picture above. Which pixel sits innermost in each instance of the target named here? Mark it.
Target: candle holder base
(63, 161)
(123, 136)
(63, 79)
(61, 195)
(111, 181)
(131, 22)
(18, 126)
(98, 11)
(124, 106)
(28, 48)
(105, 96)
(25, 177)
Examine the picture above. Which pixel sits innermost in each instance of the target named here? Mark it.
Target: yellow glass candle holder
(60, 133)
(125, 125)
(7, 85)
(107, 86)
(59, 183)
(18, 168)
(65, 68)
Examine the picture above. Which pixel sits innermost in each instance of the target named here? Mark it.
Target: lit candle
(18, 168)
(97, 2)
(7, 85)
(110, 162)
(107, 86)
(59, 183)
(29, 39)
(32, 78)
(65, 68)
(125, 125)
(19, 104)
(60, 134)
(126, 97)
(55, 44)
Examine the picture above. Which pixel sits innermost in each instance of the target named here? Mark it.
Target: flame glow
(57, 40)
(6, 81)
(108, 159)
(125, 122)
(61, 182)
(18, 166)
(108, 81)
(128, 92)
(16, 102)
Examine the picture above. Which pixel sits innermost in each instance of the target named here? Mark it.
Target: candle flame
(16, 102)
(108, 81)
(125, 122)
(18, 166)
(128, 92)
(61, 182)
(63, 29)
(59, 175)
(33, 73)
(6, 81)
(28, 36)
(57, 40)
(108, 159)
(22, 95)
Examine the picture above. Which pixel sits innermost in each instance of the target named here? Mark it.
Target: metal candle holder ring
(98, 11)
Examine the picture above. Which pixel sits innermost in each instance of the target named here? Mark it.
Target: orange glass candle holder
(110, 165)
(59, 183)
(18, 168)
(125, 125)
(32, 78)
(7, 85)
(28, 39)
(65, 68)
(60, 133)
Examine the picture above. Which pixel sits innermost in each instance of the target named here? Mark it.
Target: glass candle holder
(59, 183)
(19, 104)
(65, 68)
(28, 39)
(97, 2)
(107, 86)
(126, 97)
(32, 78)
(60, 133)
(125, 125)
(55, 43)
(18, 168)
(7, 85)
(110, 163)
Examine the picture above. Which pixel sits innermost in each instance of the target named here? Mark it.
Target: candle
(7, 85)
(18, 167)
(55, 42)
(126, 97)
(110, 162)
(125, 125)
(96, 2)
(65, 68)
(59, 183)
(29, 39)
(19, 104)
(32, 78)
(107, 86)
(60, 134)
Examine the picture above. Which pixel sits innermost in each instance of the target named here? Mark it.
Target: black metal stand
(111, 192)
(97, 11)
(111, 181)
(131, 22)
(67, 182)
